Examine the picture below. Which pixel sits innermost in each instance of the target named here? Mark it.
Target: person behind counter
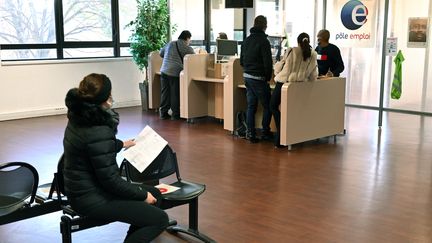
(222, 36)
(329, 58)
(91, 175)
(172, 64)
(297, 65)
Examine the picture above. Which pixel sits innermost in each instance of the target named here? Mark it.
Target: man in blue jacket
(256, 59)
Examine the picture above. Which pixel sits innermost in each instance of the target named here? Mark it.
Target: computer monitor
(226, 47)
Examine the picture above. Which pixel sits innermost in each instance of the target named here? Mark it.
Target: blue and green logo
(354, 14)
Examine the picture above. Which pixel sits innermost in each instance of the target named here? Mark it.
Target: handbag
(178, 51)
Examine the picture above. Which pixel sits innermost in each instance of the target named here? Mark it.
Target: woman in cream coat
(299, 64)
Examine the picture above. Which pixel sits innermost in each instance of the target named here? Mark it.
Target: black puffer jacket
(255, 56)
(91, 173)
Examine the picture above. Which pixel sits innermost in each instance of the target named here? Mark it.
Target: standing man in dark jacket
(256, 59)
(91, 175)
(172, 64)
(329, 58)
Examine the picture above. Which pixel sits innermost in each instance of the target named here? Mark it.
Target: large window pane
(272, 10)
(87, 20)
(299, 18)
(127, 13)
(125, 52)
(187, 15)
(28, 54)
(88, 52)
(362, 57)
(416, 90)
(27, 22)
(227, 20)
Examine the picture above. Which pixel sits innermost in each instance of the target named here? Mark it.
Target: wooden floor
(371, 186)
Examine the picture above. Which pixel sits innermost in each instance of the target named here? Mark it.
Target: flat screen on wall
(238, 3)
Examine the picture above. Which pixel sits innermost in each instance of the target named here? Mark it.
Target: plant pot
(144, 95)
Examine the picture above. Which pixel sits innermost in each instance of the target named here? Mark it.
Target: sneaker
(164, 116)
(267, 135)
(173, 118)
(253, 139)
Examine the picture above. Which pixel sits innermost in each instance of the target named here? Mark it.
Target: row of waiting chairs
(19, 198)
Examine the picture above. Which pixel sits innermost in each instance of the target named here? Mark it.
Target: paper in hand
(148, 146)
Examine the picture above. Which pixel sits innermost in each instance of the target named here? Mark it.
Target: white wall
(39, 88)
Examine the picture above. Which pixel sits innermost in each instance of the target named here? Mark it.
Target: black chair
(165, 165)
(18, 191)
(19, 182)
(71, 221)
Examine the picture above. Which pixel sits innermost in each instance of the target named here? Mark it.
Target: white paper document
(148, 146)
(164, 188)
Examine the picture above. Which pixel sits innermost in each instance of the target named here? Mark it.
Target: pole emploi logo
(354, 15)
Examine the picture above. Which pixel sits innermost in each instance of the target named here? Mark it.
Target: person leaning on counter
(257, 63)
(299, 64)
(172, 64)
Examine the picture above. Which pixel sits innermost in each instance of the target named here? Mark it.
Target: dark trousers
(274, 106)
(170, 95)
(146, 221)
(257, 90)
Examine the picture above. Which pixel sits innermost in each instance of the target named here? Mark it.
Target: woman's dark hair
(184, 35)
(95, 88)
(304, 41)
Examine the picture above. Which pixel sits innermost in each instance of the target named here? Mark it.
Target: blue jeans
(257, 90)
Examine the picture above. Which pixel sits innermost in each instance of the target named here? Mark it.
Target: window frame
(60, 45)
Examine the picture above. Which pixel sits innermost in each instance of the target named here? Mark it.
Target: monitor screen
(238, 3)
(226, 47)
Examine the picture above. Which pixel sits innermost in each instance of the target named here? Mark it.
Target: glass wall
(408, 23)
(362, 52)
(361, 46)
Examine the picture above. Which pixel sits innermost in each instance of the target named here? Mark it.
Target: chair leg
(191, 232)
(193, 214)
(65, 229)
(193, 224)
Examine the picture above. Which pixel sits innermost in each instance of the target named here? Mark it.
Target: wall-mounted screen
(238, 3)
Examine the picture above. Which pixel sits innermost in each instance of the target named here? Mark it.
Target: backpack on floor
(241, 126)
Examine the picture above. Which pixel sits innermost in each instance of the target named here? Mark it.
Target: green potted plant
(150, 31)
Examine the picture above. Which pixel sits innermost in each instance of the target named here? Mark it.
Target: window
(272, 10)
(127, 13)
(188, 15)
(57, 29)
(88, 20)
(27, 22)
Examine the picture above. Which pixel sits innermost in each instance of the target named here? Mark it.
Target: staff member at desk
(256, 59)
(330, 62)
(172, 64)
(299, 64)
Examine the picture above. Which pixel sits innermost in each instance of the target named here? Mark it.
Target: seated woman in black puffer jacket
(91, 175)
